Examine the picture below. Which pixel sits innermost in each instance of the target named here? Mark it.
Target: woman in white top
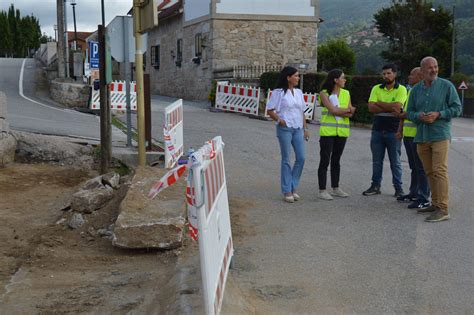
(286, 107)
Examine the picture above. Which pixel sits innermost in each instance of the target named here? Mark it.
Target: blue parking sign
(94, 54)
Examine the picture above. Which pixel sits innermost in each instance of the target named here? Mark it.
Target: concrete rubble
(7, 141)
(95, 193)
(147, 223)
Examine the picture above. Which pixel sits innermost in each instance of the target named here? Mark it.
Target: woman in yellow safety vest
(334, 131)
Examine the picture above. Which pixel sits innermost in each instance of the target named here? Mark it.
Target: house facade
(198, 41)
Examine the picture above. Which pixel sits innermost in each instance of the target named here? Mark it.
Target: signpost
(463, 86)
(94, 55)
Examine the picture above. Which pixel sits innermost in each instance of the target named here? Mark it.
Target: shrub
(360, 87)
(312, 82)
(268, 80)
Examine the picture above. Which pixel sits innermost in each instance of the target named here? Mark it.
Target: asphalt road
(29, 113)
(365, 255)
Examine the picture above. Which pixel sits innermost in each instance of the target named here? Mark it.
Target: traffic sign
(94, 54)
(462, 86)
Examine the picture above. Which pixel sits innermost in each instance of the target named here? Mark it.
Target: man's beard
(388, 82)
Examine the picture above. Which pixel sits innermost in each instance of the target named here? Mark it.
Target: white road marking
(20, 90)
(463, 139)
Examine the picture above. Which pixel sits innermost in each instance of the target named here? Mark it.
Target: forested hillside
(353, 21)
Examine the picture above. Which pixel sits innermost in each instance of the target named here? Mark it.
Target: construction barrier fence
(237, 98)
(173, 133)
(209, 220)
(118, 96)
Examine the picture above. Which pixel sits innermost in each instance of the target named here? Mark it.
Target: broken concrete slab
(94, 194)
(147, 223)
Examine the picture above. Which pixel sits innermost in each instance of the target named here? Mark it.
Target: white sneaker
(339, 193)
(289, 199)
(323, 194)
(296, 196)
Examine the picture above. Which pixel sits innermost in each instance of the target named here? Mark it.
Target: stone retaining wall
(70, 94)
(7, 142)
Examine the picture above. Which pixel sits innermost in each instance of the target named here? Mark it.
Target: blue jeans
(291, 137)
(379, 142)
(419, 187)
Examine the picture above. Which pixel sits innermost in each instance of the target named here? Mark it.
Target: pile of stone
(93, 195)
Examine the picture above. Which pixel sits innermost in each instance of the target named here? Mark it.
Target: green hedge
(268, 80)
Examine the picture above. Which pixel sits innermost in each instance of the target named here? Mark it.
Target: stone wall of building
(244, 42)
(225, 43)
(188, 81)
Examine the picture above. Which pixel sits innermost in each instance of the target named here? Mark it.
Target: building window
(155, 56)
(179, 52)
(198, 45)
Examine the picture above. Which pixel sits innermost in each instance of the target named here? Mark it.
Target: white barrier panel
(118, 96)
(173, 133)
(310, 101)
(239, 99)
(208, 209)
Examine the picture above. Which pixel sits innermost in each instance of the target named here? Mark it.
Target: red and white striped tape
(222, 277)
(214, 178)
(167, 180)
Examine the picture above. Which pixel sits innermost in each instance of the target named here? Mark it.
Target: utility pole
(145, 16)
(60, 43)
(73, 4)
(453, 42)
(139, 75)
(105, 118)
(66, 39)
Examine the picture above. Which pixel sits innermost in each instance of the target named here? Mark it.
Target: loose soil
(47, 268)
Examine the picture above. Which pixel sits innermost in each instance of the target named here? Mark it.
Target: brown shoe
(438, 216)
(431, 208)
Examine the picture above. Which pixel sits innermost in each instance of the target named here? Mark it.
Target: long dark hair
(329, 82)
(283, 78)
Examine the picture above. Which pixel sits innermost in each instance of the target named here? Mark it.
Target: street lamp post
(73, 3)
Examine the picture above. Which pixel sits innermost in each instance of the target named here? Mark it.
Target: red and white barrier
(236, 98)
(209, 219)
(167, 180)
(118, 96)
(310, 101)
(173, 133)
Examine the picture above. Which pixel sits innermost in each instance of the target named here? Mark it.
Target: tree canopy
(18, 34)
(335, 53)
(415, 30)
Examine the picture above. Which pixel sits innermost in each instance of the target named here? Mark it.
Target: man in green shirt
(386, 102)
(432, 104)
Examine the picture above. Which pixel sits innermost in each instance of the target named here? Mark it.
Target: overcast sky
(88, 12)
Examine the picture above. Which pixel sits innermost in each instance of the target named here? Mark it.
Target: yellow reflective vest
(409, 128)
(330, 126)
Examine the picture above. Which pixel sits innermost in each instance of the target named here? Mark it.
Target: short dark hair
(391, 66)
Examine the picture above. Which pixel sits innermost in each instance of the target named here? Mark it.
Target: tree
(18, 34)
(415, 30)
(5, 35)
(335, 53)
